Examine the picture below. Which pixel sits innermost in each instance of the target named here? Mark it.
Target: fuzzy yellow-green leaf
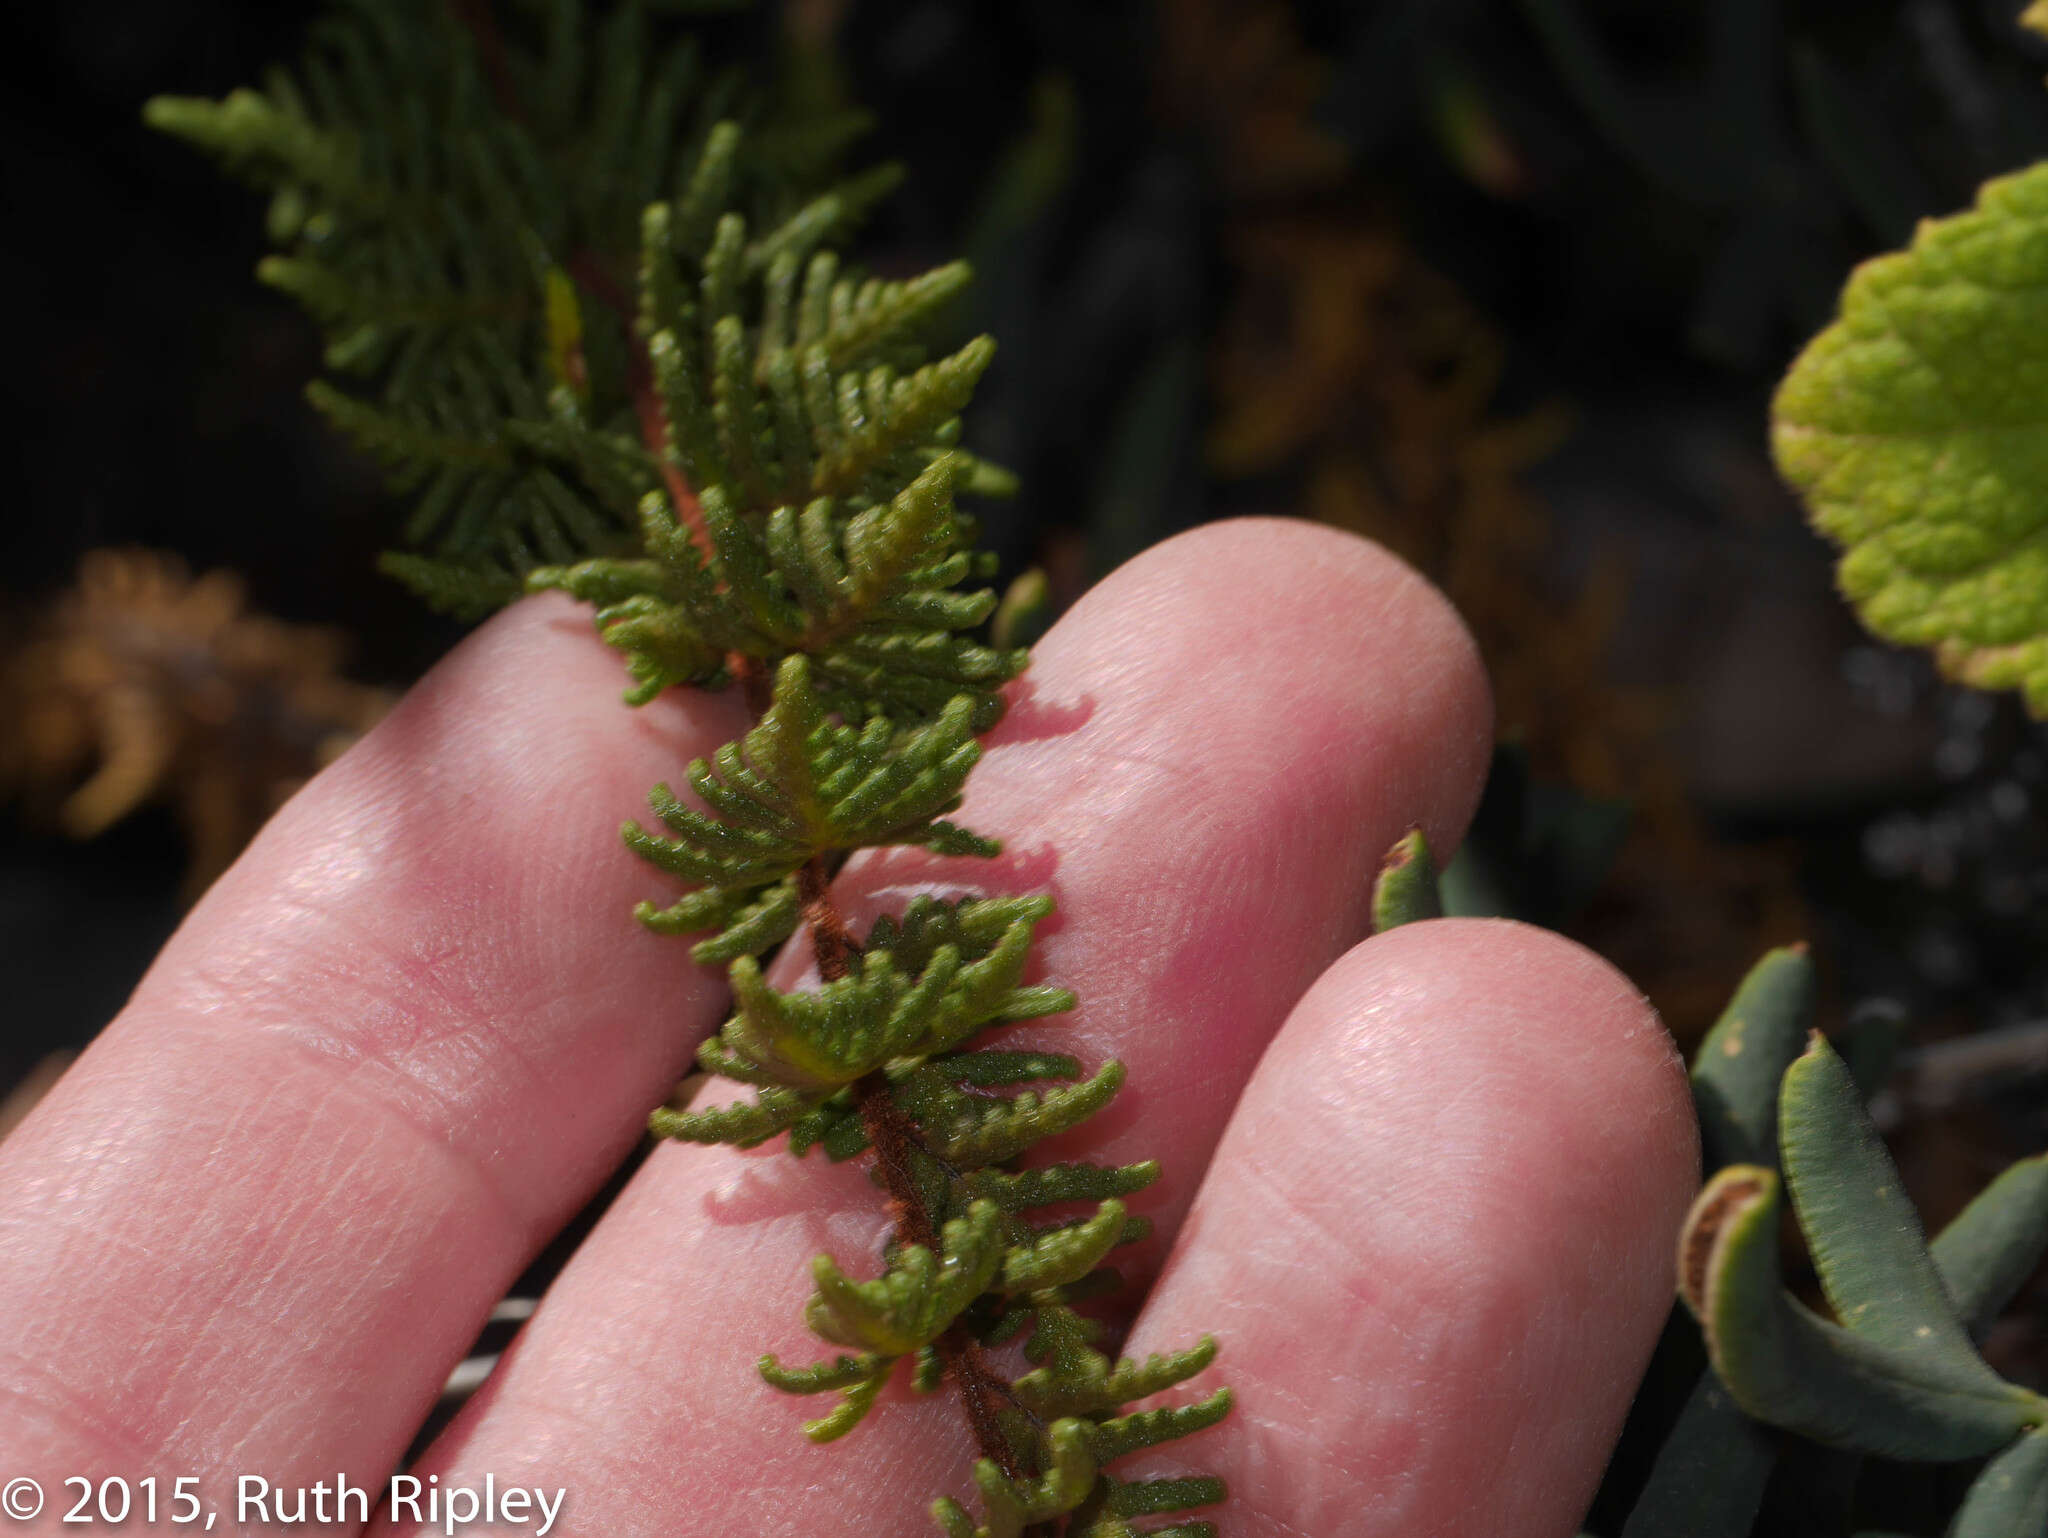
(990, 1133)
(1916, 428)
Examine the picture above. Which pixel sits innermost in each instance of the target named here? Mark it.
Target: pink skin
(1435, 1239)
(411, 1030)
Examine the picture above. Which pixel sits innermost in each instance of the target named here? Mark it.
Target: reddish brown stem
(589, 272)
(490, 51)
(831, 941)
(591, 276)
(747, 672)
(983, 1391)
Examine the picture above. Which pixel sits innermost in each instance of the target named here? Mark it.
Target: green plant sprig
(748, 468)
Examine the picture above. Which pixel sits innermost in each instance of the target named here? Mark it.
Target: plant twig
(831, 941)
(589, 273)
(983, 1390)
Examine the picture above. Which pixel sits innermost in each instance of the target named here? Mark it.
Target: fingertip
(1557, 1068)
(1547, 1034)
(1329, 625)
(1437, 1238)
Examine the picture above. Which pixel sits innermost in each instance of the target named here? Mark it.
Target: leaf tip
(1725, 1198)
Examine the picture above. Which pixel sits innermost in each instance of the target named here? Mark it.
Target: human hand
(1423, 1188)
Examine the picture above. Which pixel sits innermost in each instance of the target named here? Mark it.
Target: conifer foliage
(750, 471)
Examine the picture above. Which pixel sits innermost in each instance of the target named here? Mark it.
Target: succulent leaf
(1862, 1230)
(1742, 1059)
(1709, 1477)
(1790, 1368)
(2009, 1499)
(1993, 1245)
(1406, 890)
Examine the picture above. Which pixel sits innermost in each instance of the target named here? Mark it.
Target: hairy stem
(892, 1135)
(984, 1392)
(590, 274)
(831, 941)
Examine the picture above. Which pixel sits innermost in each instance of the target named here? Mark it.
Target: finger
(391, 1051)
(1216, 747)
(1436, 1242)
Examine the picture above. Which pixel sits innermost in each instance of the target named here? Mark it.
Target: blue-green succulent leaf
(1863, 1232)
(2009, 1499)
(1739, 1064)
(1786, 1366)
(1993, 1244)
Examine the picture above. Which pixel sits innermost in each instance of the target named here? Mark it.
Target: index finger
(388, 1055)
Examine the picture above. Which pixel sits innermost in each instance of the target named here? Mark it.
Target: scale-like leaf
(743, 1124)
(992, 1132)
(1112, 1439)
(1048, 1183)
(799, 786)
(1100, 1386)
(1010, 1505)
(913, 1301)
(1065, 1254)
(1110, 1506)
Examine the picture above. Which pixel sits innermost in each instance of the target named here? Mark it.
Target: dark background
(1506, 285)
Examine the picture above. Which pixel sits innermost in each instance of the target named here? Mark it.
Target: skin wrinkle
(1161, 774)
(505, 1214)
(436, 1089)
(392, 1085)
(179, 1434)
(1279, 1190)
(367, 1279)
(58, 1403)
(1353, 1376)
(387, 1024)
